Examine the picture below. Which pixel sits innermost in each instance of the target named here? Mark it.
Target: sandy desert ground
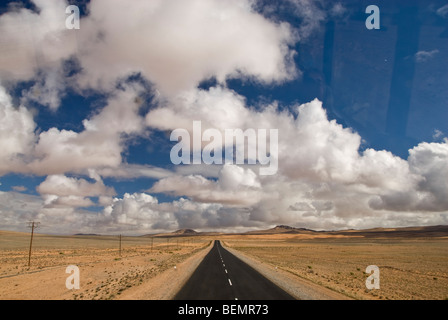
(410, 268)
(104, 274)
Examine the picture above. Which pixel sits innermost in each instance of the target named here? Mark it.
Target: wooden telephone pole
(33, 225)
(120, 246)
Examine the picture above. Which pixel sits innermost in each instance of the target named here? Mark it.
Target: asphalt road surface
(222, 276)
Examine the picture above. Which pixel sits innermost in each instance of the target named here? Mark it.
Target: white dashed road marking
(223, 264)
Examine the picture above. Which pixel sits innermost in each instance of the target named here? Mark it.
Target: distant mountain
(182, 233)
(404, 232)
(415, 232)
(185, 232)
(282, 229)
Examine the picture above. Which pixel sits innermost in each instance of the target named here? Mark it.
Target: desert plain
(413, 263)
(105, 271)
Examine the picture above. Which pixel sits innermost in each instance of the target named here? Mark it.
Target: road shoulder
(165, 285)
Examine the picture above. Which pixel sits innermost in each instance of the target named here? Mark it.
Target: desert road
(222, 276)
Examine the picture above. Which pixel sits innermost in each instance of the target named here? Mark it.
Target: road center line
(230, 282)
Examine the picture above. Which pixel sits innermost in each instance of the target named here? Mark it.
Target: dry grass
(409, 268)
(104, 274)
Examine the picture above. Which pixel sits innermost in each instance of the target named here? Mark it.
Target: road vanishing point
(222, 276)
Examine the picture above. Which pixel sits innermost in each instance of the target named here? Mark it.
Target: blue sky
(87, 114)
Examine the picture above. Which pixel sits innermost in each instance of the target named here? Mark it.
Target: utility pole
(152, 240)
(119, 248)
(33, 225)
